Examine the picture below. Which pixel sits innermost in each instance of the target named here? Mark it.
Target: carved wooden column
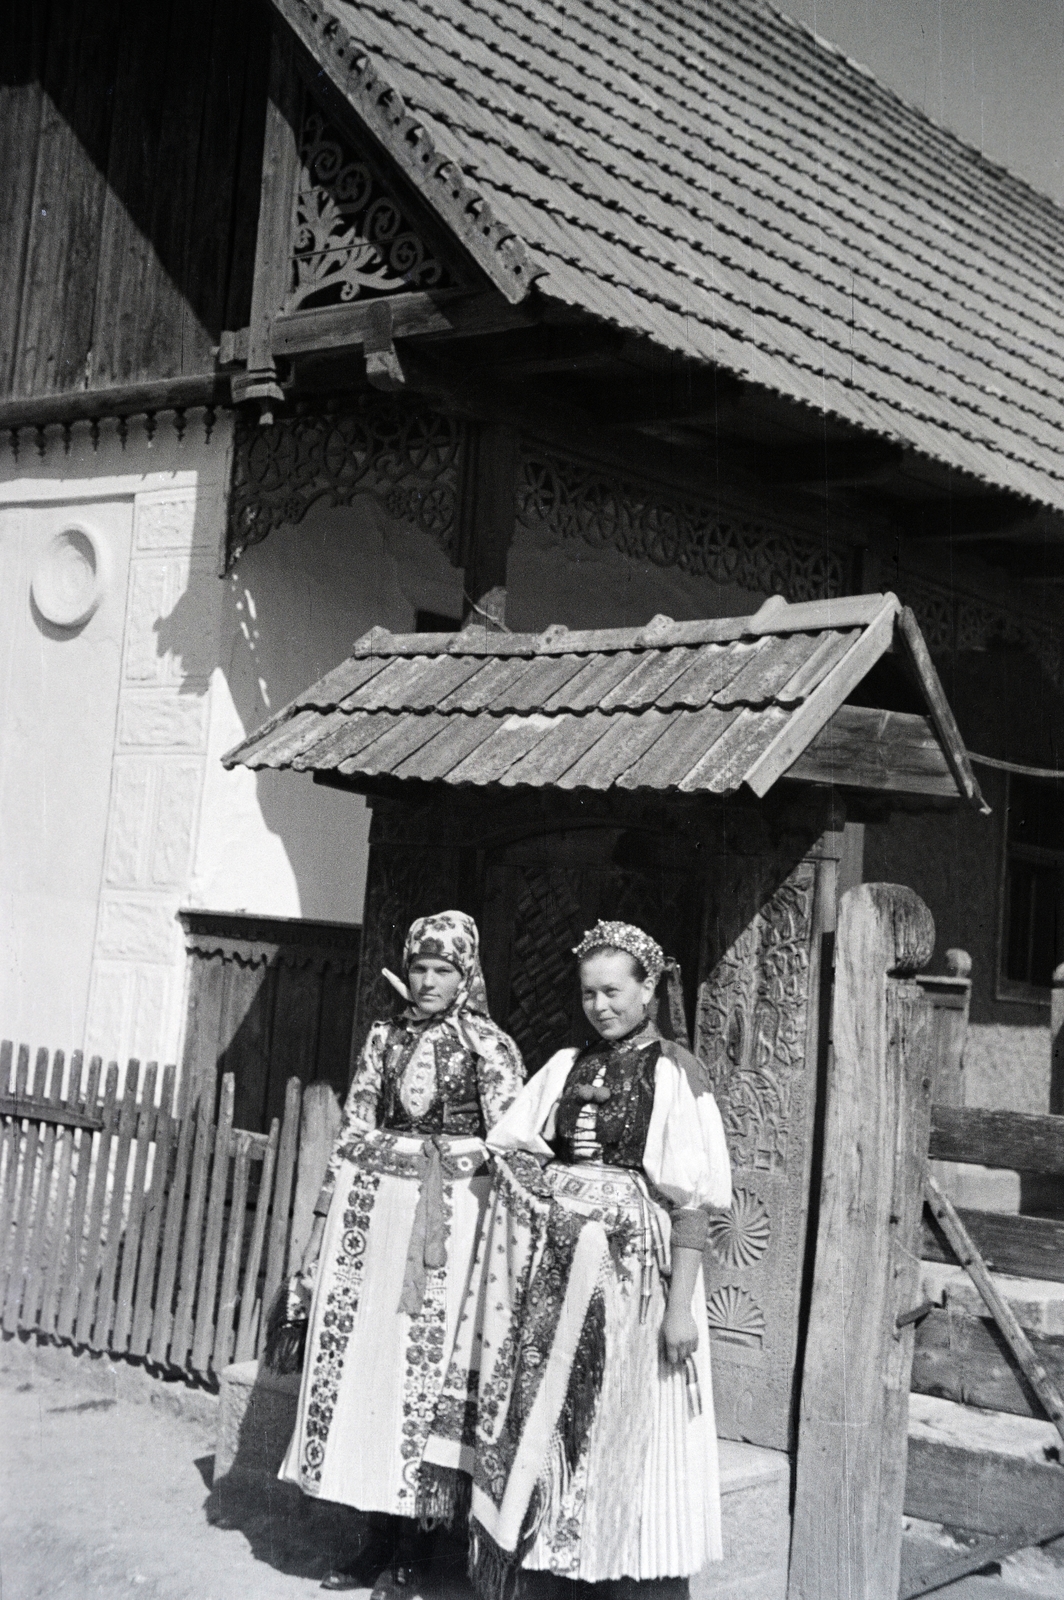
(486, 518)
(770, 909)
(850, 1481)
(280, 169)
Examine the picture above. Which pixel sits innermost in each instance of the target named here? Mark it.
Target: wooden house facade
(408, 316)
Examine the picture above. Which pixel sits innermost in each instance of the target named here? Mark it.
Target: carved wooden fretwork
(572, 501)
(403, 453)
(351, 235)
(752, 1037)
(952, 620)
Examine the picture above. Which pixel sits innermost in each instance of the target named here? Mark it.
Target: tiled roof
(676, 706)
(709, 174)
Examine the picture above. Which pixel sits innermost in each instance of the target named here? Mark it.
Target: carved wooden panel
(757, 1037)
(547, 923)
(398, 450)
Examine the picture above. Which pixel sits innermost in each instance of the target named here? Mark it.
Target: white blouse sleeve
(529, 1123)
(686, 1156)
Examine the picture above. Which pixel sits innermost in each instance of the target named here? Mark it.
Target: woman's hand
(679, 1333)
(678, 1328)
(308, 1267)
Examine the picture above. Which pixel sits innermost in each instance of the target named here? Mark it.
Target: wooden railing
(962, 1356)
(128, 1227)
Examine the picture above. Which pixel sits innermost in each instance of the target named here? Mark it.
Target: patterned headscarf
(447, 936)
(624, 936)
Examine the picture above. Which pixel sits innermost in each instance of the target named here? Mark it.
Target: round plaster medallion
(71, 577)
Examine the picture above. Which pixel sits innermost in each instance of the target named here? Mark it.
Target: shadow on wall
(276, 843)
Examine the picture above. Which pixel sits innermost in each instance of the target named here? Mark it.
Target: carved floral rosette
(752, 1040)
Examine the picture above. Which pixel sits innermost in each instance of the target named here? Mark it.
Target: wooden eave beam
(419, 314)
(129, 400)
(942, 717)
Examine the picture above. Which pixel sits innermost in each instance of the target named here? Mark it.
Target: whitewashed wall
(115, 811)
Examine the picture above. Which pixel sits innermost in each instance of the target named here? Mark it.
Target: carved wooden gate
(744, 897)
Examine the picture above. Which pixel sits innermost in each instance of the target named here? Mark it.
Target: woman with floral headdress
(391, 1254)
(591, 1446)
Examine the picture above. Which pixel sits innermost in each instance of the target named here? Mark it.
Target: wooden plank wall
(131, 145)
(267, 998)
(127, 1229)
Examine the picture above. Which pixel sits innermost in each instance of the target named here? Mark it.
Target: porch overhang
(675, 708)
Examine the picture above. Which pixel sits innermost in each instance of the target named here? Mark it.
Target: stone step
(985, 1471)
(756, 1525)
(1037, 1304)
(257, 1415)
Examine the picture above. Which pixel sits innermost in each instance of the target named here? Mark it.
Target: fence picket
(162, 1321)
(250, 1308)
(31, 1297)
(223, 1336)
(190, 1244)
(68, 1304)
(212, 1239)
(127, 1121)
(276, 1258)
(8, 1154)
(102, 1153)
(135, 1216)
(24, 1201)
(154, 1207)
(65, 1144)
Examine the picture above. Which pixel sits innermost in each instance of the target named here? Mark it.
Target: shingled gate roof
(711, 175)
(680, 707)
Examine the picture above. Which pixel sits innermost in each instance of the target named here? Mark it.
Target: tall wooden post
(1056, 1038)
(853, 1413)
(486, 513)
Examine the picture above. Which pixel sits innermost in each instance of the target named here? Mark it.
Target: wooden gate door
(543, 893)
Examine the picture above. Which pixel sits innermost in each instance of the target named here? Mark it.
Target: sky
(991, 70)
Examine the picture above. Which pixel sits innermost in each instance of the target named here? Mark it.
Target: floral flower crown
(624, 936)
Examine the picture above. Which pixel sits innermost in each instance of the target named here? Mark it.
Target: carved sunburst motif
(734, 1315)
(741, 1237)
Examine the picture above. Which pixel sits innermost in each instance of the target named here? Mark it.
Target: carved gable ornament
(352, 236)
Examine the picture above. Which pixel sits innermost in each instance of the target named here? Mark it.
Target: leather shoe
(361, 1572)
(402, 1580)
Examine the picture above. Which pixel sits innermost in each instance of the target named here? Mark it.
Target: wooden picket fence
(133, 1225)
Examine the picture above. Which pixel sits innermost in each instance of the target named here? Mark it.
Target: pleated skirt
(644, 1499)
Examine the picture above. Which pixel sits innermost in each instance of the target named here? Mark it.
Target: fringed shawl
(516, 1408)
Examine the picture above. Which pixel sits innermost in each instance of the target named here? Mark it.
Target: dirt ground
(104, 1497)
(108, 1497)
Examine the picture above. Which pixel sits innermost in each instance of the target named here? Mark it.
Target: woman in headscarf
(592, 1448)
(390, 1258)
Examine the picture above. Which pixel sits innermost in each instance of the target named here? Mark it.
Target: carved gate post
(853, 1418)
